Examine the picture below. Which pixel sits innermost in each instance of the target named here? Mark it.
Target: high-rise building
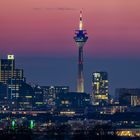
(8, 70)
(99, 88)
(12, 77)
(80, 39)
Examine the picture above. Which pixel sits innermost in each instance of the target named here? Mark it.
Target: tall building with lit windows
(99, 88)
(12, 77)
(8, 70)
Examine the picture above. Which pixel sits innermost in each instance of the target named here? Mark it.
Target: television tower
(80, 39)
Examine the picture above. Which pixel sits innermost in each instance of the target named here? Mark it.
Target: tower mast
(80, 39)
(81, 22)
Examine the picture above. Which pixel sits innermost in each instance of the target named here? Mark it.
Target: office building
(8, 70)
(14, 85)
(38, 98)
(26, 97)
(12, 78)
(72, 103)
(100, 92)
(50, 93)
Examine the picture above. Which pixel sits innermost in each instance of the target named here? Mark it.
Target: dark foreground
(60, 136)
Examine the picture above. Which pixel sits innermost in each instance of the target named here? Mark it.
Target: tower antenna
(81, 22)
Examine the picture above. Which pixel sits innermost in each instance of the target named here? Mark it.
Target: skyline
(119, 76)
(38, 30)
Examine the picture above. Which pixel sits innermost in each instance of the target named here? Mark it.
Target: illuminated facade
(8, 70)
(80, 39)
(14, 86)
(51, 91)
(72, 103)
(99, 88)
(12, 77)
(26, 97)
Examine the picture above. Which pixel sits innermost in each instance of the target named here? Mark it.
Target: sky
(40, 34)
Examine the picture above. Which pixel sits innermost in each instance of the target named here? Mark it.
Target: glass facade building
(99, 88)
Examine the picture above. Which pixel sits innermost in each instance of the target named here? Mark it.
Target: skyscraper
(12, 77)
(8, 71)
(99, 88)
(80, 39)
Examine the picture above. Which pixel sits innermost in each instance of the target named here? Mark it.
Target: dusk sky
(40, 34)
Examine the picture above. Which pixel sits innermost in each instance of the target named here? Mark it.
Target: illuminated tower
(80, 39)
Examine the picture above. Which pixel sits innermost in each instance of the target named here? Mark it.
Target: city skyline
(35, 37)
(69, 70)
(34, 77)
